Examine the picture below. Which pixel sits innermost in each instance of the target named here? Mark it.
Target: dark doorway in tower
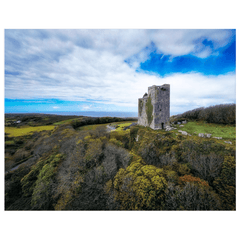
(162, 125)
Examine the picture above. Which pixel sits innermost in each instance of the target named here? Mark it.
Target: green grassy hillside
(217, 130)
(25, 130)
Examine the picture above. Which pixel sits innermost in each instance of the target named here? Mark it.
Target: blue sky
(108, 70)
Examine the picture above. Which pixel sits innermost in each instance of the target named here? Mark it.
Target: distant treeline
(92, 120)
(223, 113)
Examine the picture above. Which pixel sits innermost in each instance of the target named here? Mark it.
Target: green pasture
(21, 131)
(91, 127)
(119, 125)
(65, 121)
(217, 130)
(123, 125)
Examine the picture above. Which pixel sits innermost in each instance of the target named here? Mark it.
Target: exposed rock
(208, 135)
(137, 138)
(110, 128)
(184, 122)
(183, 132)
(228, 142)
(168, 128)
(181, 126)
(178, 122)
(218, 137)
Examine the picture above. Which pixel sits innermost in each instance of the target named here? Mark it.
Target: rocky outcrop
(205, 135)
(169, 128)
(218, 137)
(184, 133)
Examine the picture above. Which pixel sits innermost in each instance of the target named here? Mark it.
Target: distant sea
(98, 114)
(93, 114)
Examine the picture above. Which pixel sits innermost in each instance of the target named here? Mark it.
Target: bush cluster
(140, 169)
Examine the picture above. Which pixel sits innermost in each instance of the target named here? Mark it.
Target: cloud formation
(102, 66)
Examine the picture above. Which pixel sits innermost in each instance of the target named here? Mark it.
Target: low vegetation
(79, 164)
(120, 127)
(25, 130)
(217, 130)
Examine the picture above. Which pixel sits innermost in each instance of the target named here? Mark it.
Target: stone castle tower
(154, 107)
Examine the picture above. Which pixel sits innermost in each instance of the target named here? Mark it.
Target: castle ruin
(154, 107)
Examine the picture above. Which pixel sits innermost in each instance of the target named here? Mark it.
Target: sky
(108, 70)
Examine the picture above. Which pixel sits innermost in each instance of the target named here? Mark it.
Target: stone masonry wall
(154, 109)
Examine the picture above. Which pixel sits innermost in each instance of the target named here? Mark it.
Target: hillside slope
(77, 168)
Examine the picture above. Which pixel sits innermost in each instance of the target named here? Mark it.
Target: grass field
(122, 125)
(114, 124)
(64, 121)
(217, 130)
(16, 132)
(91, 127)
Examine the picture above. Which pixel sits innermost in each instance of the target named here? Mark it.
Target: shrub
(122, 136)
(42, 192)
(93, 152)
(196, 197)
(116, 142)
(225, 184)
(84, 173)
(207, 167)
(21, 154)
(192, 196)
(114, 159)
(13, 189)
(189, 178)
(140, 187)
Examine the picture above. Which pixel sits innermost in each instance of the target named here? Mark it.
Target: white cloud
(86, 107)
(187, 41)
(56, 107)
(89, 65)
